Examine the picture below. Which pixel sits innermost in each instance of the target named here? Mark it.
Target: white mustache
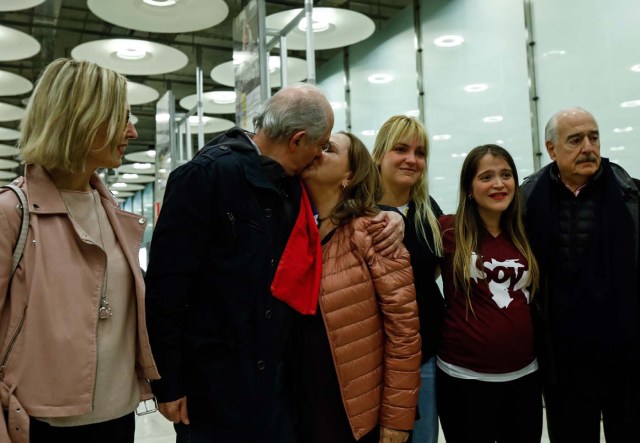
(587, 158)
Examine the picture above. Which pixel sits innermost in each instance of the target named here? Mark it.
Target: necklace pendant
(105, 312)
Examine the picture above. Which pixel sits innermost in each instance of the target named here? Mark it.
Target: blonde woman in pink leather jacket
(360, 354)
(75, 356)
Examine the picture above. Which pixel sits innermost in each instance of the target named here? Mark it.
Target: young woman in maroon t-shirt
(487, 383)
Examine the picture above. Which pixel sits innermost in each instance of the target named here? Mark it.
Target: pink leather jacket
(48, 311)
(368, 303)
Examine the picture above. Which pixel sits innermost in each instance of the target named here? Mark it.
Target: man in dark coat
(581, 216)
(218, 333)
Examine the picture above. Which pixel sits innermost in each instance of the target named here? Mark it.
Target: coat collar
(45, 198)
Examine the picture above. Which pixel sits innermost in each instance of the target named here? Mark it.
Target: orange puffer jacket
(368, 304)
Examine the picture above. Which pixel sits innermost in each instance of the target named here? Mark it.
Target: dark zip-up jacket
(217, 332)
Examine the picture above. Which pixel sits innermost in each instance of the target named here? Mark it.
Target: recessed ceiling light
(441, 137)
(223, 97)
(119, 185)
(160, 3)
(439, 177)
(129, 176)
(194, 120)
(462, 154)
(368, 132)
(477, 87)
(499, 142)
(414, 113)
(380, 78)
(635, 68)
(151, 153)
(616, 148)
(492, 119)
(625, 129)
(130, 53)
(447, 41)
(554, 52)
(142, 166)
(318, 25)
(630, 104)
(337, 105)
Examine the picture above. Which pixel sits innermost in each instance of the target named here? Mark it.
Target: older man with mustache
(582, 219)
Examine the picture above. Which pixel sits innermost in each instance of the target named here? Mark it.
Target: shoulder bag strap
(24, 227)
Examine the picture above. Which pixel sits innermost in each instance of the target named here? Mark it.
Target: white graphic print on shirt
(502, 276)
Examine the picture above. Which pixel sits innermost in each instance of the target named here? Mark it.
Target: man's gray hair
(296, 107)
(551, 130)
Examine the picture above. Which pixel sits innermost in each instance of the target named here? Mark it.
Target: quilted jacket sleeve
(393, 281)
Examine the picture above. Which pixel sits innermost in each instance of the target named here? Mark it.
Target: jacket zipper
(232, 219)
(5, 357)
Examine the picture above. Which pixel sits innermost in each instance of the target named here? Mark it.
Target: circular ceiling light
(316, 25)
(213, 102)
(493, 119)
(18, 5)
(630, 104)
(379, 78)
(8, 151)
(16, 45)
(136, 178)
(338, 105)
(554, 52)
(139, 94)
(160, 3)
(137, 168)
(625, 129)
(163, 16)
(296, 71)
(616, 148)
(368, 132)
(333, 27)
(635, 68)
(441, 137)
(447, 41)
(121, 55)
(13, 84)
(9, 134)
(211, 124)
(414, 113)
(477, 87)
(10, 113)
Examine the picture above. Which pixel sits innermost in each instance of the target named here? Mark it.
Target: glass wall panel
(383, 76)
(331, 80)
(476, 86)
(586, 55)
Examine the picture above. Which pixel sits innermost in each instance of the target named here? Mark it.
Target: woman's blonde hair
(403, 129)
(71, 101)
(364, 190)
(468, 222)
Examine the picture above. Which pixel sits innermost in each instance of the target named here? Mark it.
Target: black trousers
(473, 411)
(589, 392)
(120, 430)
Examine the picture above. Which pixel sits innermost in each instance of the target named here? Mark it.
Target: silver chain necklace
(104, 312)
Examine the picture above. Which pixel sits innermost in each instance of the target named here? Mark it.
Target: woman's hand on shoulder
(387, 231)
(392, 436)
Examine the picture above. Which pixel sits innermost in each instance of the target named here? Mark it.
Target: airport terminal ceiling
(61, 25)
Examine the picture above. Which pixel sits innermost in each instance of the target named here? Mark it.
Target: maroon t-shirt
(499, 337)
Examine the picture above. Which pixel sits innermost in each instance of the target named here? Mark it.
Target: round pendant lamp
(296, 71)
(18, 5)
(13, 84)
(164, 16)
(333, 27)
(16, 45)
(139, 94)
(131, 57)
(213, 102)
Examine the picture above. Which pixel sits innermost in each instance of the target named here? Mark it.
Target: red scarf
(297, 279)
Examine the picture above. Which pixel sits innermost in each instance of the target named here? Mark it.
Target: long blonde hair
(403, 129)
(468, 222)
